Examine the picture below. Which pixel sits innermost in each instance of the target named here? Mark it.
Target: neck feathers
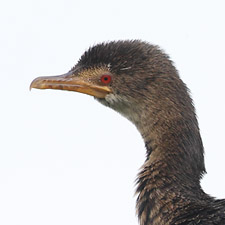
(170, 176)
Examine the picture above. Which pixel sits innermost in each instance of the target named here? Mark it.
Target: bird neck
(174, 163)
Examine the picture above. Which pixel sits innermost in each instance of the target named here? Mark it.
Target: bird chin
(111, 100)
(121, 105)
(102, 101)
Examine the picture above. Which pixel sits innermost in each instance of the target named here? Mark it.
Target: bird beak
(70, 82)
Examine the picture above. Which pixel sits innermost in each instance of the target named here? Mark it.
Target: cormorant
(139, 81)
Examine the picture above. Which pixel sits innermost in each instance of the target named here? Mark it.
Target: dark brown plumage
(139, 81)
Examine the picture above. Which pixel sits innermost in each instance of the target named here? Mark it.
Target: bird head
(124, 75)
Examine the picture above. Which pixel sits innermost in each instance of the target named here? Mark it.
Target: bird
(139, 80)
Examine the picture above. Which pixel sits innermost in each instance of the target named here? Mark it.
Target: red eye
(106, 79)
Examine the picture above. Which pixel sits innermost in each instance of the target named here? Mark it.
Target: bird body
(139, 81)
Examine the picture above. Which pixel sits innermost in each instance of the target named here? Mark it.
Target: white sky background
(66, 159)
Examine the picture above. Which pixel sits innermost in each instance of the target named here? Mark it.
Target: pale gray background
(66, 159)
